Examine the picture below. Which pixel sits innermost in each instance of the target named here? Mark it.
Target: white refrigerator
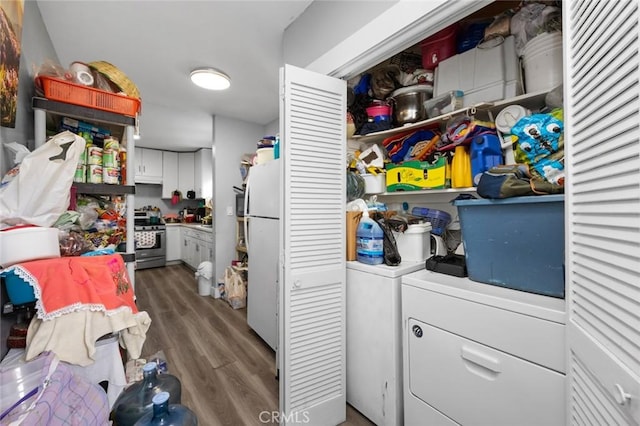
(262, 215)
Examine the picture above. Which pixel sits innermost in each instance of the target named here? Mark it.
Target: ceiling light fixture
(210, 78)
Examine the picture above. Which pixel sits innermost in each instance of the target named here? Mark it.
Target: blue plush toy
(540, 145)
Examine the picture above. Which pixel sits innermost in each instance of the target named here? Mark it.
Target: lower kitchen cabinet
(197, 246)
(480, 354)
(174, 243)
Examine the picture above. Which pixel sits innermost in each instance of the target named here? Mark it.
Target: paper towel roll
(84, 78)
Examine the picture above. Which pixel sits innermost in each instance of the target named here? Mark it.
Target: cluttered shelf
(82, 112)
(531, 101)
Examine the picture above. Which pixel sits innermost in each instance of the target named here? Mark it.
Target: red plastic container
(378, 110)
(64, 91)
(439, 46)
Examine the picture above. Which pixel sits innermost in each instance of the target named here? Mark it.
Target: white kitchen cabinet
(148, 165)
(481, 354)
(204, 173)
(169, 173)
(173, 241)
(186, 173)
(197, 245)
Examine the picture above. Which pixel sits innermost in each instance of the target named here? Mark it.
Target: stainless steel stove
(150, 233)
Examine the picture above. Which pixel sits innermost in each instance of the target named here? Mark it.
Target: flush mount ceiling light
(210, 78)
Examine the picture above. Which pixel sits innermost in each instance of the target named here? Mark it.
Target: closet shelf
(532, 101)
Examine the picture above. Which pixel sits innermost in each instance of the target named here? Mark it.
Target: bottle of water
(369, 241)
(136, 400)
(165, 414)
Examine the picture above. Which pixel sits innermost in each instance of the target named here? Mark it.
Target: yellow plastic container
(461, 168)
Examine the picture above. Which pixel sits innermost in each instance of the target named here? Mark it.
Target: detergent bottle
(461, 168)
(486, 152)
(369, 241)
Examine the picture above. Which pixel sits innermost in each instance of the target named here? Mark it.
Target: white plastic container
(264, 154)
(414, 245)
(542, 62)
(24, 244)
(374, 184)
(489, 72)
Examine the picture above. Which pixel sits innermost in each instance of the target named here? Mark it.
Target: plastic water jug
(486, 152)
(166, 414)
(461, 168)
(136, 400)
(369, 241)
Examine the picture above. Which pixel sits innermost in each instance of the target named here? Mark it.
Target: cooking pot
(409, 103)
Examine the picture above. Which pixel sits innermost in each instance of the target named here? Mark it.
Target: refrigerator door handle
(247, 194)
(246, 233)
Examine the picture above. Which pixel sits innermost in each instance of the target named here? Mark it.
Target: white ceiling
(157, 44)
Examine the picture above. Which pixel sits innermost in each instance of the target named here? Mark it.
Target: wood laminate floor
(227, 372)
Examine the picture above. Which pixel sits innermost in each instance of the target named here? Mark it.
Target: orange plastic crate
(64, 91)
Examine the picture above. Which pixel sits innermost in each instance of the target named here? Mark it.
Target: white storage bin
(490, 72)
(23, 244)
(414, 245)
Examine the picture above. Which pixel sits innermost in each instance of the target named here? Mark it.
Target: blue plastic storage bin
(516, 242)
(18, 290)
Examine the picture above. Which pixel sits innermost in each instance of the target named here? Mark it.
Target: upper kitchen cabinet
(186, 175)
(148, 165)
(169, 173)
(204, 173)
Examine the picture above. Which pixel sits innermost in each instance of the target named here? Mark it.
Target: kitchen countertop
(192, 225)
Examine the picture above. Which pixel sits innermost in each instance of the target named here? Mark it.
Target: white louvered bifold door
(603, 211)
(312, 314)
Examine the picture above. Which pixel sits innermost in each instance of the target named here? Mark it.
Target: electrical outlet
(229, 211)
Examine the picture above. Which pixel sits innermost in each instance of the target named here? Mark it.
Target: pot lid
(428, 88)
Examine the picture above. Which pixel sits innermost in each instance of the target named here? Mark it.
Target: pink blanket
(69, 284)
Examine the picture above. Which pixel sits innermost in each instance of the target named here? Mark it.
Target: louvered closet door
(603, 211)
(312, 314)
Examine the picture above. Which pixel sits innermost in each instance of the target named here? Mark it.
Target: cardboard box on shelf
(415, 175)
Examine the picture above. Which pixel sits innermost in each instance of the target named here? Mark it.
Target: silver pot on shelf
(408, 103)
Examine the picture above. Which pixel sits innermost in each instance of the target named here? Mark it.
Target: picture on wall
(11, 14)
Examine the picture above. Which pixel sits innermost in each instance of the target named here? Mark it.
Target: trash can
(203, 275)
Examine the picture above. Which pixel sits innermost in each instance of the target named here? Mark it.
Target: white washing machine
(374, 340)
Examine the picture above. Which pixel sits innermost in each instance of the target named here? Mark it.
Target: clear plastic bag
(235, 288)
(40, 192)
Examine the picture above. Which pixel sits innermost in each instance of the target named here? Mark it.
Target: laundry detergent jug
(486, 152)
(369, 241)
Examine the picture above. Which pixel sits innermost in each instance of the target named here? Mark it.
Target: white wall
(324, 24)
(150, 195)
(159, 124)
(232, 138)
(36, 48)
